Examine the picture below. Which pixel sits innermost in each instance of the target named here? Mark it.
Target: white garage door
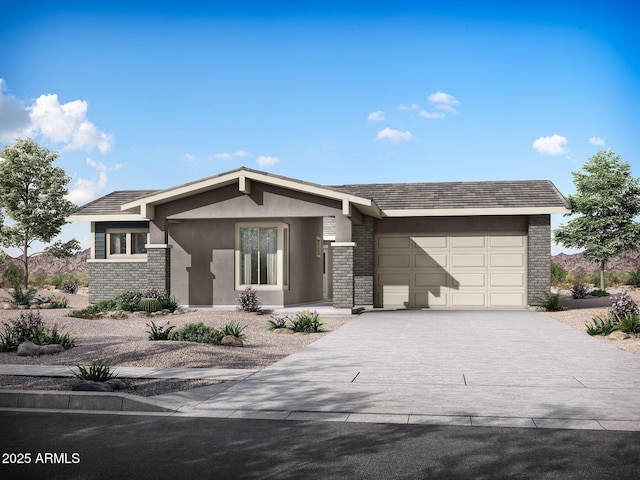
(451, 271)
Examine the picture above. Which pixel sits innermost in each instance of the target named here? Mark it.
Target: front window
(123, 243)
(262, 255)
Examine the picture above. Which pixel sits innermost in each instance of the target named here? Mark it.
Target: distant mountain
(576, 263)
(41, 264)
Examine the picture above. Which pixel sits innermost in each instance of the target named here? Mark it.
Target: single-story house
(403, 245)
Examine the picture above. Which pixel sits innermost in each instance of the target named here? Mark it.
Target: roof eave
(459, 212)
(95, 217)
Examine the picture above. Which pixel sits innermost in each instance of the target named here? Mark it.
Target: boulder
(283, 331)
(91, 386)
(231, 341)
(116, 384)
(29, 349)
(619, 335)
(7, 306)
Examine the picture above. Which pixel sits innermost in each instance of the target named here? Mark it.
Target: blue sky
(156, 94)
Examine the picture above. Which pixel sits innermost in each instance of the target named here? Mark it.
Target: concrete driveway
(498, 368)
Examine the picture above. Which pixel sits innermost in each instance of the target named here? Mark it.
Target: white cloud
(266, 161)
(84, 189)
(377, 116)
(434, 115)
(444, 101)
(553, 145)
(597, 141)
(393, 136)
(229, 156)
(413, 106)
(60, 123)
(189, 158)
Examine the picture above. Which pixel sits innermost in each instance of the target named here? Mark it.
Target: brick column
(539, 258)
(159, 266)
(363, 262)
(343, 274)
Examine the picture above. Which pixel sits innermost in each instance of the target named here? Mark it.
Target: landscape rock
(91, 386)
(116, 384)
(29, 349)
(619, 335)
(231, 341)
(7, 306)
(283, 331)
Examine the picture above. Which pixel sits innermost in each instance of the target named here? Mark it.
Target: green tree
(607, 201)
(32, 195)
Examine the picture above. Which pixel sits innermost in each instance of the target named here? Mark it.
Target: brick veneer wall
(108, 279)
(539, 258)
(342, 276)
(363, 261)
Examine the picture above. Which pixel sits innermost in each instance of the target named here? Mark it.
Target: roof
(455, 195)
(521, 197)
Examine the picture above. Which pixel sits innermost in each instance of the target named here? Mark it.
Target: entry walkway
(492, 368)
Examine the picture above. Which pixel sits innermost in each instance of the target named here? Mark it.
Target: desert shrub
(235, 330)
(97, 372)
(108, 305)
(558, 274)
(154, 292)
(70, 286)
(12, 276)
(551, 303)
(578, 290)
(197, 332)
(249, 301)
(30, 327)
(278, 321)
(22, 297)
(596, 292)
(170, 303)
(634, 277)
(85, 313)
(600, 326)
(159, 332)
(55, 301)
(621, 305)
(630, 323)
(307, 322)
(149, 305)
(129, 300)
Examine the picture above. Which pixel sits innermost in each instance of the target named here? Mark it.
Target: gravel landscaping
(124, 343)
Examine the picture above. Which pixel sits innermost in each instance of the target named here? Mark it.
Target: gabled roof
(430, 199)
(524, 197)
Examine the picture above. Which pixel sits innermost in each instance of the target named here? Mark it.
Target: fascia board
(106, 218)
(467, 212)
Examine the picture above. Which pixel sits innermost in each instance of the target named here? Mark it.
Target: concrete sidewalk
(513, 369)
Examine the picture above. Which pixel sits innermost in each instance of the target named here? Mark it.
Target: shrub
(630, 323)
(634, 277)
(20, 297)
(150, 305)
(70, 286)
(13, 275)
(235, 330)
(159, 332)
(596, 292)
(248, 300)
(97, 372)
(578, 290)
(600, 326)
(129, 300)
(85, 313)
(170, 303)
(30, 327)
(621, 305)
(55, 301)
(197, 332)
(278, 322)
(153, 292)
(558, 274)
(551, 303)
(307, 322)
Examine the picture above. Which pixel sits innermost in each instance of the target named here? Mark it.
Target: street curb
(45, 399)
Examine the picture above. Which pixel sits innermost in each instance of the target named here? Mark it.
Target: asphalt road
(90, 446)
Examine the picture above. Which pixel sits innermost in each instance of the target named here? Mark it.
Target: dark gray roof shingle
(449, 195)
(110, 204)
